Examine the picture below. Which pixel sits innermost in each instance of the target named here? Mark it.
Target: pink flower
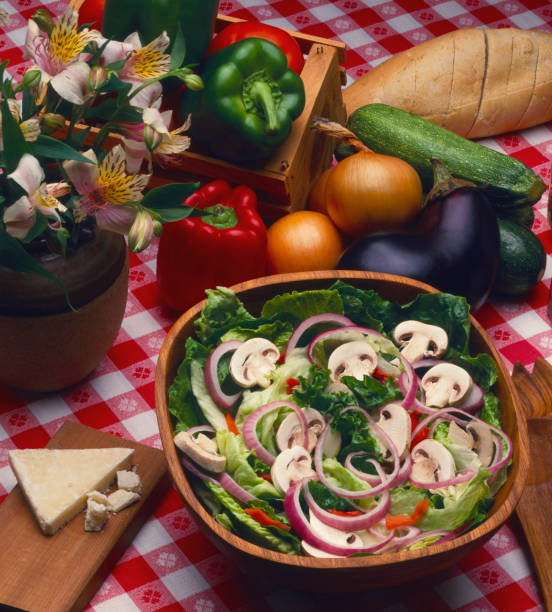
(106, 190)
(58, 56)
(20, 216)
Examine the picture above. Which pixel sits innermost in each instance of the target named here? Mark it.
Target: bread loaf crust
(476, 82)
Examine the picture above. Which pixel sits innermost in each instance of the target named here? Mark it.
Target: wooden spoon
(534, 509)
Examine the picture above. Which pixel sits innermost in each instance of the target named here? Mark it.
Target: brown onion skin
(369, 192)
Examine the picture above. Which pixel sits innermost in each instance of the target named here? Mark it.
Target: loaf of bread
(475, 82)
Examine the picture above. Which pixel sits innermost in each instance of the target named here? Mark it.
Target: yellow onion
(368, 192)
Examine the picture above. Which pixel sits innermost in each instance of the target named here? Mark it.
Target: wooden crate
(283, 184)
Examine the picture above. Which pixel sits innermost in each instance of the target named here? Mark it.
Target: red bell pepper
(225, 247)
(262, 517)
(404, 520)
(252, 29)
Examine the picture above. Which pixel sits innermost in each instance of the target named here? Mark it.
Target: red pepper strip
(290, 384)
(224, 248)
(422, 434)
(345, 512)
(266, 477)
(231, 424)
(380, 374)
(262, 517)
(404, 520)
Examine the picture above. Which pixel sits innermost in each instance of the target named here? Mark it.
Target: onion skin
(302, 241)
(369, 192)
(458, 254)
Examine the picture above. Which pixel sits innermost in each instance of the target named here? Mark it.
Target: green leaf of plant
(167, 215)
(178, 52)
(15, 257)
(14, 142)
(168, 196)
(114, 83)
(46, 146)
(77, 138)
(127, 114)
(28, 105)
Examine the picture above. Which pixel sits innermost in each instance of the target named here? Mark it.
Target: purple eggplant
(454, 247)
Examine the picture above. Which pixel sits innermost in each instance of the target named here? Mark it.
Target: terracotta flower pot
(45, 346)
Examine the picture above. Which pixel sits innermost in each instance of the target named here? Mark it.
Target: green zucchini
(384, 129)
(522, 259)
(524, 216)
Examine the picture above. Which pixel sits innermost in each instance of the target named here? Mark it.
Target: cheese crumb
(121, 499)
(130, 481)
(96, 515)
(98, 497)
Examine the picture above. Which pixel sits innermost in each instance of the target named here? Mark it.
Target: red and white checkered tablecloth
(170, 565)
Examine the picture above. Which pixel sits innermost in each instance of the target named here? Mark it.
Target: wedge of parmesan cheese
(56, 482)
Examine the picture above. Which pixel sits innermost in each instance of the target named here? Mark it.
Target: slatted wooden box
(284, 183)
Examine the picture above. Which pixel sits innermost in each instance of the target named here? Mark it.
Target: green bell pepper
(249, 101)
(151, 17)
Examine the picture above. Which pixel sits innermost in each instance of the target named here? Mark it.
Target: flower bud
(51, 122)
(193, 82)
(31, 79)
(152, 137)
(141, 231)
(96, 77)
(157, 227)
(44, 20)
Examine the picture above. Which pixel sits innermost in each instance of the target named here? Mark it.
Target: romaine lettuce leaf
(182, 402)
(296, 365)
(237, 466)
(303, 304)
(277, 331)
(222, 311)
(248, 528)
(460, 503)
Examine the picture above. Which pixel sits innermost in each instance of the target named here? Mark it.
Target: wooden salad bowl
(354, 573)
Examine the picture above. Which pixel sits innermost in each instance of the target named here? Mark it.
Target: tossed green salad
(339, 423)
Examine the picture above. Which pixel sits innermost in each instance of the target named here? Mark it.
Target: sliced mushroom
(355, 358)
(483, 441)
(445, 384)
(396, 423)
(290, 431)
(460, 436)
(420, 340)
(432, 462)
(290, 466)
(202, 450)
(337, 537)
(253, 361)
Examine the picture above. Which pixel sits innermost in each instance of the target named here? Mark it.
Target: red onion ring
(442, 533)
(384, 484)
(326, 317)
(224, 480)
(463, 476)
(400, 542)
(363, 330)
(223, 400)
(349, 523)
(301, 525)
(249, 429)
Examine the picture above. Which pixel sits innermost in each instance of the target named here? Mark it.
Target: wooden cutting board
(62, 572)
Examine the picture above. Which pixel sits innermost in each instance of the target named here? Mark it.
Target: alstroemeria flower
(106, 190)
(20, 216)
(142, 231)
(154, 135)
(142, 64)
(58, 56)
